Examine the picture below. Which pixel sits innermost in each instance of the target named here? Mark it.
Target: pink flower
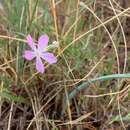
(39, 51)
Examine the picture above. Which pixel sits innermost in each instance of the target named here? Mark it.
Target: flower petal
(29, 55)
(43, 42)
(30, 42)
(49, 57)
(39, 65)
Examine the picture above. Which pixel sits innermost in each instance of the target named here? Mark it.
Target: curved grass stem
(87, 83)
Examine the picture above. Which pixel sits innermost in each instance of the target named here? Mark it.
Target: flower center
(37, 53)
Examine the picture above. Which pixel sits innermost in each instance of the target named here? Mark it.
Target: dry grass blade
(78, 120)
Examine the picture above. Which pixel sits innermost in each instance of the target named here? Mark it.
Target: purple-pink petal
(30, 42)
(43, 42)
(29, 55)
(49, 57)
(39, 65)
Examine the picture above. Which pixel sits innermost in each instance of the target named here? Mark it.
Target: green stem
(87, 83)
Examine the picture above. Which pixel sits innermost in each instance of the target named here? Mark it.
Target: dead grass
(94, 41)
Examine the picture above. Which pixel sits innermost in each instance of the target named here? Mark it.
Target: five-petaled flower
(39, 51)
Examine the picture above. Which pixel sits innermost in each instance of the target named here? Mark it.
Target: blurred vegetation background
(94, 41)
